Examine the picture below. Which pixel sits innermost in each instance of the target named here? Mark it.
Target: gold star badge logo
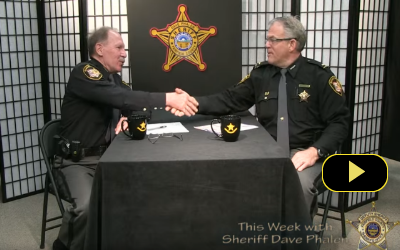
(142, 127)
(183, 39)
(373, 227)
(304, 96)
(230, 129)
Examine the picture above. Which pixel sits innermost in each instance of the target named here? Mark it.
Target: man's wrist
(321, 153)
(169, 98)
(315, 152)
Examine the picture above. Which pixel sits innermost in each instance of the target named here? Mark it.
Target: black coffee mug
(137, 126)
(230, 127)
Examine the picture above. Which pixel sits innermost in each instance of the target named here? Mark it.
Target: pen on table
(157, 127)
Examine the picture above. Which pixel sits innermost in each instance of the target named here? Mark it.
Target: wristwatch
(321, 154)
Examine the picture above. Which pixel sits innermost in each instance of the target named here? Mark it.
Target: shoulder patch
(336, 85)
(91, 72)
(244, 79)
(261, 64)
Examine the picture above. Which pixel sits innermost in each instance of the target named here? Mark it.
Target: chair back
(57, 185)
(46, 141)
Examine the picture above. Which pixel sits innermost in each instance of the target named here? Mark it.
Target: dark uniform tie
(283, 119)
(115, 118)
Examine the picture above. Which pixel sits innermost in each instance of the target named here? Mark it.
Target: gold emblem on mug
(230, 129)
(142, 127)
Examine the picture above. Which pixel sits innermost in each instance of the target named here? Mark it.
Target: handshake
(181, 103)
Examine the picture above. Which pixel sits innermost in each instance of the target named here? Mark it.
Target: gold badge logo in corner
(373, 227)
(336, 85)
(91, 72)
(183, 39)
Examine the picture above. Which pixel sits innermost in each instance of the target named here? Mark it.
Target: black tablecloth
(199, 193)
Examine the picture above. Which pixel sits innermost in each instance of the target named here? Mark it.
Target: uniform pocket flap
(267, 95)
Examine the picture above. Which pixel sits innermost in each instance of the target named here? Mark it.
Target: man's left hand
(118, 127)
(304, 159)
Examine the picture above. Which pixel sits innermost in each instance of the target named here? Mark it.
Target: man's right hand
(180, 103)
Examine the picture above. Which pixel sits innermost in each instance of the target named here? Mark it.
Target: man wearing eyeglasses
(309, 121)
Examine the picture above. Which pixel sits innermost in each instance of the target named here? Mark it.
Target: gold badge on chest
(304, 96)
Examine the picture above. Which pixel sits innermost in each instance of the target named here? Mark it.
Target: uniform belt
(94, 151)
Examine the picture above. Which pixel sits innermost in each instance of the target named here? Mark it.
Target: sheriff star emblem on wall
(183, 39)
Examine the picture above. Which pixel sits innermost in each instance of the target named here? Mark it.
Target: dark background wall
(221, 53)
(390, 142)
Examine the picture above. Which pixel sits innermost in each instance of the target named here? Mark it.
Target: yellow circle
(182, 9)
(154, 32)
(201, 66)
(166, 67)
(212, 31)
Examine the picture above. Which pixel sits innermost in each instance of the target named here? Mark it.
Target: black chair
(323, 191)
(46, 143)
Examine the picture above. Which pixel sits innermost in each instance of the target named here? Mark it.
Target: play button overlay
(354, 173)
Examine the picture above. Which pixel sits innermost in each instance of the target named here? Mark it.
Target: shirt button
(265, 98)
(282, 118)
(155, 108)
(144, 109)
(160, 108)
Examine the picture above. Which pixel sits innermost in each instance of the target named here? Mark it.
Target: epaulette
(261, 64)
(317, 63)
(127, 84)
(258, 65)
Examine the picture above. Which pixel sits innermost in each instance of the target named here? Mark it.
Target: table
(199, 193)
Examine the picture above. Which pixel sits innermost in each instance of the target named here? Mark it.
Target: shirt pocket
(300, 109)
(267, 106)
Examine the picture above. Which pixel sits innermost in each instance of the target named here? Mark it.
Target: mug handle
(124, 130)
(212, 122)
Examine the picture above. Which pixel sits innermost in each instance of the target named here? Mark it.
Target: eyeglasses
(274, 40)
(154, 137)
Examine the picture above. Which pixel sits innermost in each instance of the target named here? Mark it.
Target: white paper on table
(170, 127)
(217, 127)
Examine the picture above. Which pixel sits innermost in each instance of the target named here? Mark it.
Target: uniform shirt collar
(293, 68)
(296, 65)
(99, 67)
(275, 70)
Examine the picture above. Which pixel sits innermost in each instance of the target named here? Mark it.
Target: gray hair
(98, 36)
(293, 28)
